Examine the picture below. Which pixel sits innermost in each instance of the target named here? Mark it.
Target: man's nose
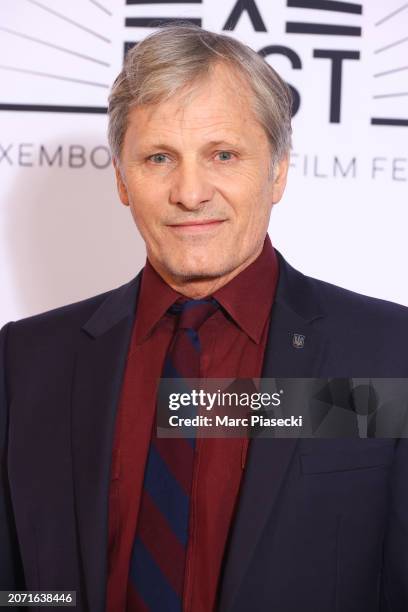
(191, 187)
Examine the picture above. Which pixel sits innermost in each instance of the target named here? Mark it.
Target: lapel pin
(298, 341)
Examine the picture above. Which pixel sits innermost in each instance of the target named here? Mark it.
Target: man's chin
(202, 272)
(195, 275)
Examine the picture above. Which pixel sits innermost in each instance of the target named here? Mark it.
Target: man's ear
(280, 177)
(120, 183)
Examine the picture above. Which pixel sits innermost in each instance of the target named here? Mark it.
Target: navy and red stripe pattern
(157, 564)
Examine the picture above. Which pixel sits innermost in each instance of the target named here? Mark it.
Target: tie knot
(193, 313)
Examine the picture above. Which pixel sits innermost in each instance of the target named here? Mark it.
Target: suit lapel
(100, 363)
(295, 311)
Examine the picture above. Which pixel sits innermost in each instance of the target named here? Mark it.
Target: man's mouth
(197, 226)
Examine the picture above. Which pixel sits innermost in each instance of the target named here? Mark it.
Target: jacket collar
(298, 292)
(119, 304)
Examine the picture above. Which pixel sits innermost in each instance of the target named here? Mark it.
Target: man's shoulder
(360, 329)
(344, 303)
(361, 333)
(68, 314)
(364, 330)
(336, 302)
(65, 320)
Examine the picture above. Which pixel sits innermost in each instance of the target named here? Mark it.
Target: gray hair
(176, 56)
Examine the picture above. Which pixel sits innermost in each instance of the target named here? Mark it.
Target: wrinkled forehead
(220, 105)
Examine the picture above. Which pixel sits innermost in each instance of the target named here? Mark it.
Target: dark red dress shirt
(233, 342)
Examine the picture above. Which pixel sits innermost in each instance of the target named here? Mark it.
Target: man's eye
(225, 155)
(158, 158)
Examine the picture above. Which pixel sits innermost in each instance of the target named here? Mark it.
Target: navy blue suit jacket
(322, 524)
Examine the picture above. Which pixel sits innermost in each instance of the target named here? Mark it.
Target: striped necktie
(158, 558)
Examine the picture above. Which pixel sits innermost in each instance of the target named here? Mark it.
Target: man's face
(197, 179)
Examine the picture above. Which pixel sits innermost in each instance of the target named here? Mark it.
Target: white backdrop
(64, 234)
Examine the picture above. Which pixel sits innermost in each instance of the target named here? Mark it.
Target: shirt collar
(155, 298)
(247, 298)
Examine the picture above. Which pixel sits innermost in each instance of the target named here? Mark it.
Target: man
(92, 500)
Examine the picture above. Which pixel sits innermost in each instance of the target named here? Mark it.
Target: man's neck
(203, 287)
